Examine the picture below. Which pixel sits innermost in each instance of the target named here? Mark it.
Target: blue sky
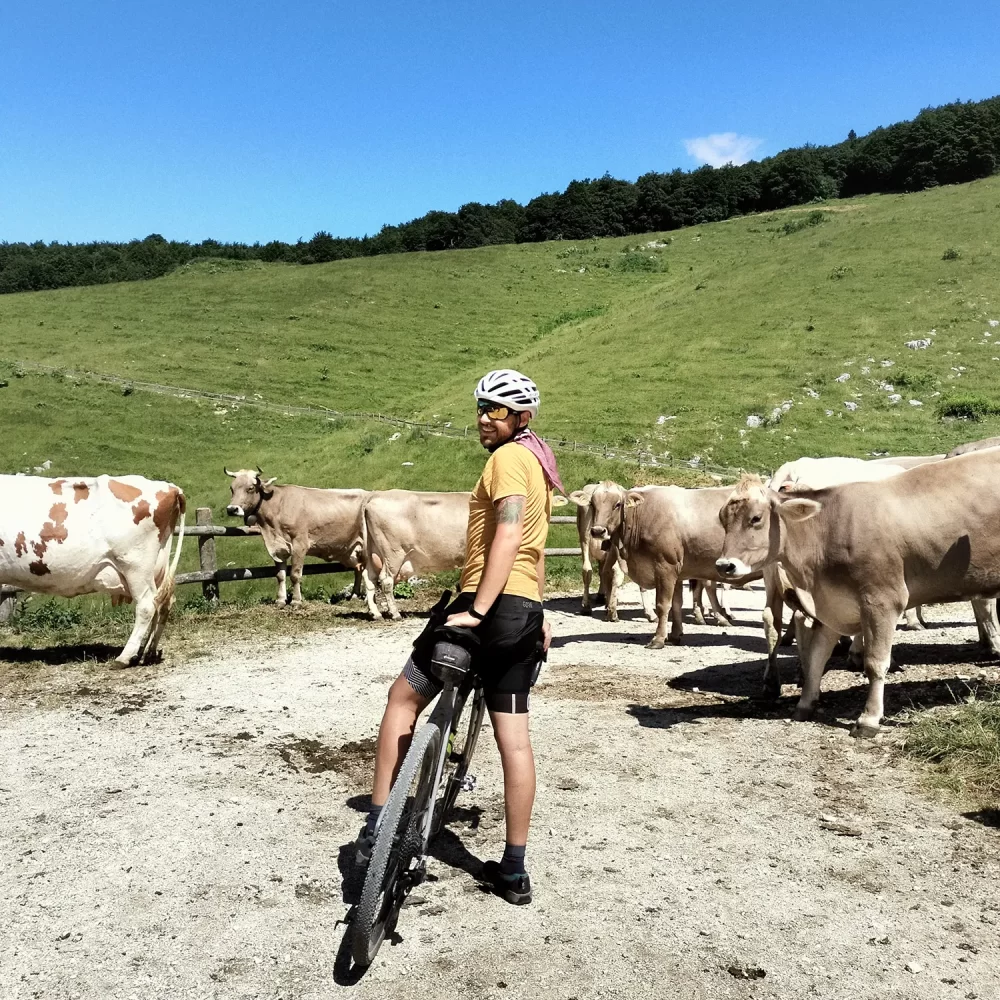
(256, 121)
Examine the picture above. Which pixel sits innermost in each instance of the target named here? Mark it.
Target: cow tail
(165, 592)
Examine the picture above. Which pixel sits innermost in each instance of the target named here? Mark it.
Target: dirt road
(180, 831)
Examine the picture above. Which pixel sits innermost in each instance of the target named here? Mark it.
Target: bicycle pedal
(468, 783)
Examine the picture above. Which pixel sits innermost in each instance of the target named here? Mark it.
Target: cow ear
(632, 501)
(558, 500)
(799, 509)
(580, 497)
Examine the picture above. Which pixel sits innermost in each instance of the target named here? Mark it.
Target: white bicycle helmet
(509, 388)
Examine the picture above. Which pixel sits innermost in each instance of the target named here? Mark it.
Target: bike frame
(446, 715)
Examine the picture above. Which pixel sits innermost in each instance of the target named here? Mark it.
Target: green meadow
(665, 343)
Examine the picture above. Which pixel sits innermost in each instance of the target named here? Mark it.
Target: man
(500, 595)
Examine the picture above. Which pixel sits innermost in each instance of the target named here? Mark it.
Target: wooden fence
(210, 576)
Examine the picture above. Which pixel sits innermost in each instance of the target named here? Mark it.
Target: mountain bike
(434, 771)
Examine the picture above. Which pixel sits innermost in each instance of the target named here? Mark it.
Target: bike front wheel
(400, 840)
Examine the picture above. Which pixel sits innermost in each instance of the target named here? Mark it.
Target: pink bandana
(543, 453)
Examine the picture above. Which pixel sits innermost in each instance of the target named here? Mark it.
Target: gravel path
(180, 831)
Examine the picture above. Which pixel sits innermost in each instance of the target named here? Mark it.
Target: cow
(408, 532)
(594, 551)
(964, 449)
(299, 521)
(666, 534)
(818, 473)
(86, 535)
(854, 557)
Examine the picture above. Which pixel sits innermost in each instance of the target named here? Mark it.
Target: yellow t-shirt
(511, 470)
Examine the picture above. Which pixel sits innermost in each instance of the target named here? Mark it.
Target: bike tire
(395, 846)
(454, 782)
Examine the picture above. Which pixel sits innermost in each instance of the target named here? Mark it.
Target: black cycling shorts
(510, 647)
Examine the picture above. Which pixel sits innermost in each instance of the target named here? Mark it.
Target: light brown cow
(666, 535)
(408, 532)
(86, 535)
(595, 550)
(964, 449)
(299, 521)
(856, 556)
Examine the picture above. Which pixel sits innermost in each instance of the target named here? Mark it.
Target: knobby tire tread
(369, 907)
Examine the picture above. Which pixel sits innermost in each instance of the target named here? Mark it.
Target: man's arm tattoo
(510, 510)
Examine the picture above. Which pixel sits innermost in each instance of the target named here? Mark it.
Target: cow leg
(721, 618)
(879, 626)
(282, 596)
(648, 598)
(913, 621)
(985, 610)
(772, 678)
(677, 623)
(587, 571)
(666, 580)
(816, 643)
(297, 560)
(611, 579)
(145, 610)
(697, 594)
(370, 587)
(856, 654)
(387, 583)
(359, 585)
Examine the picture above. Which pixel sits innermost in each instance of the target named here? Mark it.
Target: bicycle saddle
(451, 658)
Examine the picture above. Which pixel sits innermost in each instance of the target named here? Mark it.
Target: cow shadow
(55, 656)
(748, 643)
(836, 710)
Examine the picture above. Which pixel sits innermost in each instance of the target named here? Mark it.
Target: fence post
(206, 555)
(7, 604)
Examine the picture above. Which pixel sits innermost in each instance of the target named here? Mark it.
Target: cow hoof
(676, 640)
(611, 618)
(723, 622)
(587, 611)
(699, 619)
(864, 732)
(655, 643)
(768, 695)
(651, 617)
(914, 626)
(802, 715)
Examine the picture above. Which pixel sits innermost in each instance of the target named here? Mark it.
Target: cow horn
(260, 471)
(232, 475)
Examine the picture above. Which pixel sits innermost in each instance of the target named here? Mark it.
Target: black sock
(512, 862)
(373, 814)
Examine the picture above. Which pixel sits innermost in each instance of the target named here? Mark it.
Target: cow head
(607, 502)
(248, 492)
(753, 518)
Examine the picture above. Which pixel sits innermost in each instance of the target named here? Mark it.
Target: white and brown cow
(409, 532)
(299, 521)
(856, 556)
(85, 535)
(666, 534)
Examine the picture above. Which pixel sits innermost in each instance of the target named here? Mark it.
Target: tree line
(945, 145)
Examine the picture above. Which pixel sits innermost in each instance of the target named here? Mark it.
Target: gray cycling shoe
(363, 847)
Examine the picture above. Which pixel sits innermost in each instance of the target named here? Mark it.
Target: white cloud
(722, 148)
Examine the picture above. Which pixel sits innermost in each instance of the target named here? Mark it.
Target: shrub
(403, 589)
(640, 263)
(814, 218)
(48, 617)
(952, 253)
(970, 406)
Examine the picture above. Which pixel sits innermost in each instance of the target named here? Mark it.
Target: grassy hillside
(725, 321)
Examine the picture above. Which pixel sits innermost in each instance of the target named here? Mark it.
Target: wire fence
(643, 457)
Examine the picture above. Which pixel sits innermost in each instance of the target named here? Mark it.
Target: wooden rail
(210, 576)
